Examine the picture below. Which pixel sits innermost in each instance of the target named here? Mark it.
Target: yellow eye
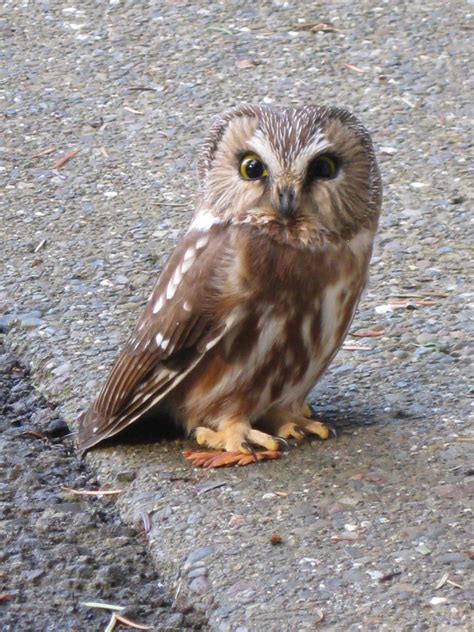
(325, 167)
(252, 168)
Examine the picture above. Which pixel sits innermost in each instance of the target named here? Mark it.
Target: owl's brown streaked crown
(288, 139)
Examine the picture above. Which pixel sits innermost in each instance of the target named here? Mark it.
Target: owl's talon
(246, 447)
(283, 444)
(332, 430)
(307, 411)
(301, 431)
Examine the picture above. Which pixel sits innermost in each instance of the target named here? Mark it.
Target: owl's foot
(237, 436)
(290, 426)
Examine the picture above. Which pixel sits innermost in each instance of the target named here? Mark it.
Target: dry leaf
(370, 333)
(244, 64)
(317, 27)
(276, 539)
(228, 459)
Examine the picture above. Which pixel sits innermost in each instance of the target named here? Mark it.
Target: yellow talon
(306, 411)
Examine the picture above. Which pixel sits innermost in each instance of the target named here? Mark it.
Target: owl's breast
(291, 311)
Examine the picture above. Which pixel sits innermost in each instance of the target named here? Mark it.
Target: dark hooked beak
(287, 202)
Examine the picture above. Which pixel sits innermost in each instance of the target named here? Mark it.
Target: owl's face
(304, 169)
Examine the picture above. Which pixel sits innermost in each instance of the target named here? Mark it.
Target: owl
(258, 296)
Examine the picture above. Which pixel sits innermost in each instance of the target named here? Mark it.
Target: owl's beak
(287, 202)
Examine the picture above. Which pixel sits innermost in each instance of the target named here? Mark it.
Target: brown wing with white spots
(176, 329)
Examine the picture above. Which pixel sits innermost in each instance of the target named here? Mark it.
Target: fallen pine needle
(132, 110)
(405, 303)
(33, 433)
(103, 151)
(40, 245)
(228, 459)
(320, 618)
(442, 581)
(92, 492)
(424, 295)
(355, 69)
(172, 203)
(448, 581)
(356, 348)
(103, 606)
(116, 618)
(345, 538)
(465, 439)
(146, 521)
(45, 152)
(62, 161)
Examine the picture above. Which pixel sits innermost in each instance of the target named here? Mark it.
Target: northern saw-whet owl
(258, 296)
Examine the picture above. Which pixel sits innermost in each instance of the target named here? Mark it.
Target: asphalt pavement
(104, 106)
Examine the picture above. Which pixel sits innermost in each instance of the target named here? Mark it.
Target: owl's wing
(177, 328)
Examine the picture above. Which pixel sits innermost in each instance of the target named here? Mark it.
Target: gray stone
(199, 554)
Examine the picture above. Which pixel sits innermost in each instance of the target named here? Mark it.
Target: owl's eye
(252, 168)
(324, 167)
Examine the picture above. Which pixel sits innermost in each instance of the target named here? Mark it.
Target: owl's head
(311, 168)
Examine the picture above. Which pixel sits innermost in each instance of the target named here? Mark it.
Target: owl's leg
(285, 424)
(236, 435)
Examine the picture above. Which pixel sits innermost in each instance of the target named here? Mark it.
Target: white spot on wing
(186, 265)
(202, 241)
(189, 254)
(158, 305)
(159, 339)
(164, 343)
(178, 275)
(187, 306)
(170, 290)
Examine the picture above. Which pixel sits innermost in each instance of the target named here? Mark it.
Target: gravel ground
(375, 528)
(60, 549)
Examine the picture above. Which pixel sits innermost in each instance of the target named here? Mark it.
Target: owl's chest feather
(291, 310)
